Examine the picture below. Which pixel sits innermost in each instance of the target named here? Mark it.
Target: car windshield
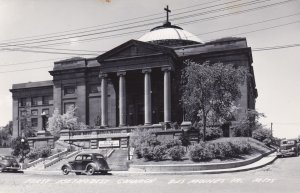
(288, 142)
(8, 158)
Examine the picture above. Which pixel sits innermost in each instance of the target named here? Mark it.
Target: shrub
(172, 143)
(159, 152)
(229, 149)
(261, 134)
(45, 152)
(200, 152)
(211, 132)
(147, 153)
(176, 153)
(138, 152)
(33, 155)
(39, 153)
(267, 142)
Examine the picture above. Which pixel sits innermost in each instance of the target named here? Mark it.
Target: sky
(265, 23)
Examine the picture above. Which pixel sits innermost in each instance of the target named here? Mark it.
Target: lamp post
(128, 145)
(22, 150)
(44, 116)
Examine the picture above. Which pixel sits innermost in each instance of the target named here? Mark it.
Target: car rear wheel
(65, 170)
(90, 170)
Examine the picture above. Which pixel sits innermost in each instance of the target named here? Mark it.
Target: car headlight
(293, 149)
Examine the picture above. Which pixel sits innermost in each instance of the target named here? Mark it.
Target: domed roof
(167, 32)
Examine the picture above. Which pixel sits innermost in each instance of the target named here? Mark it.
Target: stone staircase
(118, 160)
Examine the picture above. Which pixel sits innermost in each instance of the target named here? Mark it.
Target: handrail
(57, 159)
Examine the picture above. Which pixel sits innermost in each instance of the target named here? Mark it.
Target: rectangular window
(34, 112)
(68, 106)
(34, 101)
(69, 90)
(94, 88)
(23, 124)
(34, 122)
(23, 113)
(45, 111)
(46, 100)
(23, 102)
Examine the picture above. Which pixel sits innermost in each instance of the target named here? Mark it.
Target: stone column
(147, 96)
(167, 94)
(104, 117)
(122, 98)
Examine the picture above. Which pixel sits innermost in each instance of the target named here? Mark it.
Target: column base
(148, 124)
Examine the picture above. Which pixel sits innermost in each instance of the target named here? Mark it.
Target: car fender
(92, 164)
(68, 165)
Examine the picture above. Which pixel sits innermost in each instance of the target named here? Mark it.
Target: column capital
(102, 75)
(166, 68)
(146, 70)
(121, 73)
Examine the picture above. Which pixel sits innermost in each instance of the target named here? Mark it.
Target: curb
(126, 173)
(196, 166)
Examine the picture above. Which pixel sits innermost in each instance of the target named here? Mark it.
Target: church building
(135, 83)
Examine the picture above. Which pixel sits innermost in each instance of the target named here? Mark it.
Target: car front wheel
(90, 170)
(65, 170)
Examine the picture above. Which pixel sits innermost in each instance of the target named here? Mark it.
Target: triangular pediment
(134, 48)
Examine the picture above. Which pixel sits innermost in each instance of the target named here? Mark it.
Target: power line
(276, 26)
(48, 52)
(238, 12)
(254, 49)
(275, 47)
(38, 47)
(25, 69)
(34, 61)
(209, 18)
(112, 23)
(255, 23)
(141, 25)
(185, 23)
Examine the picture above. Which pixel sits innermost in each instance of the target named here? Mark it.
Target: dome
(171, 35)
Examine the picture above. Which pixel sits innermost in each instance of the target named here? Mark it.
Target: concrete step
(118, 160)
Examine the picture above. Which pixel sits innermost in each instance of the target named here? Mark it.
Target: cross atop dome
(167, 11)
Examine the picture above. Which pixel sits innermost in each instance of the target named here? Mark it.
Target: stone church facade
(135, 83)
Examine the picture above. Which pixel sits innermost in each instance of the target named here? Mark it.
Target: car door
(86, 159)
(77, 164)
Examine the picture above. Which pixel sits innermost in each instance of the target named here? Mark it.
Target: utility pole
(271, 129)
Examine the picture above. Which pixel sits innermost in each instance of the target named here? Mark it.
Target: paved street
(281, 176)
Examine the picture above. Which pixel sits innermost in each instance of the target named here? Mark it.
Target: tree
(247, 124)
(20, 148)
(68, 121)
(209, 91)
(5, 134)
(55, 123)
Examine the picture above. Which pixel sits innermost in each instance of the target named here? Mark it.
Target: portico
(151, 77)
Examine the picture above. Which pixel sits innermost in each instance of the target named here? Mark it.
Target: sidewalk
(259, 164)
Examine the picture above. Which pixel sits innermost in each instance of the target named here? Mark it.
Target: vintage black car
(288, 147)
(8, 163)
(88, 163)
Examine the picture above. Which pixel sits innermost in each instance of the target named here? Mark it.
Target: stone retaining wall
(195, 167)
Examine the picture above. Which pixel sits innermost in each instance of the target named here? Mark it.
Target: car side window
(87, 157)
(78, 158)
